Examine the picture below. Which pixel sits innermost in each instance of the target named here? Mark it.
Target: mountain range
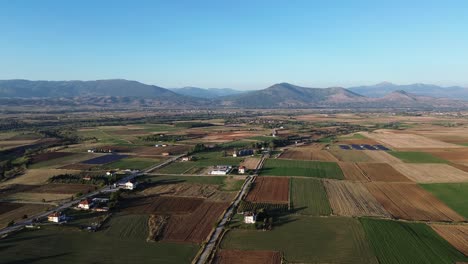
(132, 94)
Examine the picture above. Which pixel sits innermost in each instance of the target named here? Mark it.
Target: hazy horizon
(243, 45)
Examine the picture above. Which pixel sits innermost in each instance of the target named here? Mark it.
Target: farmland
(416, 157)
(18, 211)
(56, 245)
(411, 202)
(398, 242)
(457, 235)
(269, 190)
(402, 140)
(247, 257)
(381, 172)
(454, 195)
(133, 163)
(432, 173)
(309, 197)
(307, 153)
(104, 159)
(352, 199)
(316, 169)
(161, 205)
(308, 240)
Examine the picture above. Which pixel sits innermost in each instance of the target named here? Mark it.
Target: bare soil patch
(269, 190)
(454, 155)
(352, 171)
(18, 213)
(411, 202)
(207, 191)
(196, 226)
(49, 156)
(382, 156)
(225, 256)
(161, 205)
(306, 153)
(353, 199)
(431, 173)
(381, 172)
(250, 163)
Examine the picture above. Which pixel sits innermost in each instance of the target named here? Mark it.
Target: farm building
(243, 152)
(221, 170)
(187, 158)
(129, 185)
(242, 169)
(166, 154)
(56, 217)
(85, 204)
(250, 218)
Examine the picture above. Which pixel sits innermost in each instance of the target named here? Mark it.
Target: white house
(85, 204)
(250, 218)
(129, 185)
(221, 170)
(242, 169)
(187, 158)
(56, 217)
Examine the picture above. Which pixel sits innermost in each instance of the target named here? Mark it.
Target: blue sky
(239, 44)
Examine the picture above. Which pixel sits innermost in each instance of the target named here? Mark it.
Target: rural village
(277, 187)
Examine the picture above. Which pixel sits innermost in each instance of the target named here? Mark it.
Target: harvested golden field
(431, 173)
(457, 235)
(208, 191)
(411, 202)
(382, 156)
(250, 163)
(352, 199)
(232, 256)
(352, 171)
(306, 153)
(381, 172)
(350, 155)
(401, 140)
(37, 176)
(22, 210)
(269, 190)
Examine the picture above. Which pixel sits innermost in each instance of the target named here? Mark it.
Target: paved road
(212, 242)
(22, 223)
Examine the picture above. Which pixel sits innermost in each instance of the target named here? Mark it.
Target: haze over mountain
(205, 92)
(381, 89)
(131, 94)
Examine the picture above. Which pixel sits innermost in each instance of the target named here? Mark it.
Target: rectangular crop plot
(352, 171)
(381, 172)
(411, 202)
(382, 156)
(104, 159)
(309, 197)
(269, 190)
(399, 242)
(456, 235)
(319, 169)
(304, 153)
(196, 226)
(352, 199)
(350, 155)
(432, 173)
(455, 195)
(305, 239)
(247, 257)
(416, 157)
(161, 205)
(400, 140)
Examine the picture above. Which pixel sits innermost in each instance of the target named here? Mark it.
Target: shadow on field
(36, 259)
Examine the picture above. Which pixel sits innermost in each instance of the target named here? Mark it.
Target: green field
(235, 144)
(127, 227)
(308, 240)
(455, 195)
(416, 157)
(354, 136)
(102, 136)
(133, 163)
(213, 158)
(278, 167)
(177, 167)
(63, 245)
(399, 242)
(227, 183)
(349, 155)
(309, 197)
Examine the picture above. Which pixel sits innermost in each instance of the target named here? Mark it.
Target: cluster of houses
(94, 204)
(221, 170)
(100, 150)
(128, 185)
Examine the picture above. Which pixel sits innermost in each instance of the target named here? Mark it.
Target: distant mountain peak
(385, 83)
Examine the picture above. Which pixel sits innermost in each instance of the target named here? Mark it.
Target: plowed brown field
(307, 154)
(250, 163)
(411, 202)
(352, 171)
(454, 155)
(352, 199)
(225, 256)
(161, 205)
(208, 191)
(457, 235)
(432, 173)
(381, 172)
(196, 226)
(269, 190)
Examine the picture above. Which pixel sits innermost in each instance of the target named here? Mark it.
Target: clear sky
(239, 44)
